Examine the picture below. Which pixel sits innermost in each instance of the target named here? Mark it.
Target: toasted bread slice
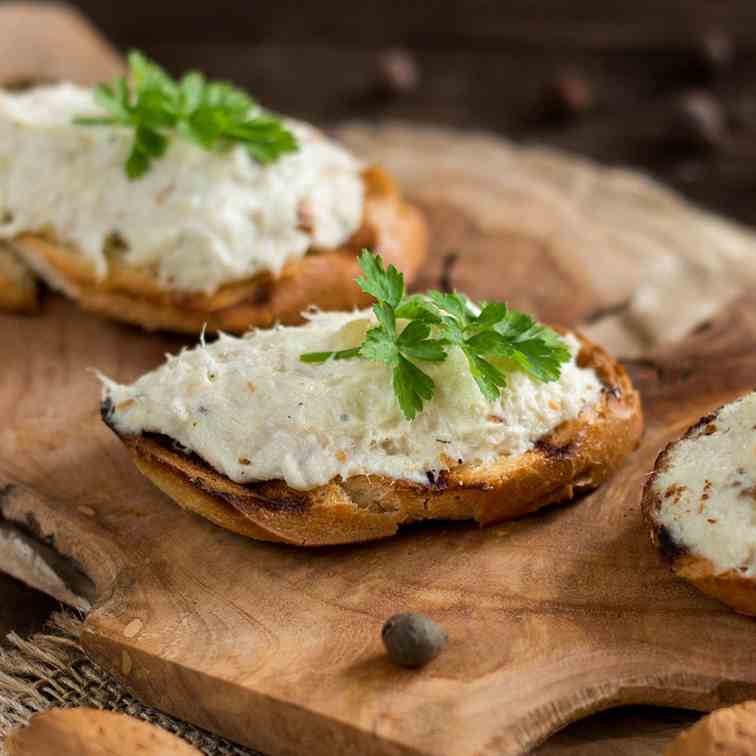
(577, 456)
(18, 286)
(730, 731)
(700, 503)
(324, 278)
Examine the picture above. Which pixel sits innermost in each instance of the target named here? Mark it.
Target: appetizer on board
(700, 503)
(180, 205)
(345, 428)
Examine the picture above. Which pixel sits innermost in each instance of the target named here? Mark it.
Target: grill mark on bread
(614, 391)
(670, 549)
(287, 504)
(554, 451)
(437, 480)
(291, 502)
(106, 411)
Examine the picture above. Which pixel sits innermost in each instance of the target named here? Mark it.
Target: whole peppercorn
(412, 639)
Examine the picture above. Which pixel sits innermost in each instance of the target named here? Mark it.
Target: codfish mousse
(344, 428)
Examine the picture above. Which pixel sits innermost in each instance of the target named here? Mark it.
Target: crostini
(345, 428)
(179, 205)
(700, 503)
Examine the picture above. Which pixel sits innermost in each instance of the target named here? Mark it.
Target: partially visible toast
(577, 456)
(18, 285)
(324, 278)
(730, 731)
(702, 523)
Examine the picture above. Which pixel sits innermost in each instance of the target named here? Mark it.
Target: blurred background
(665, 85)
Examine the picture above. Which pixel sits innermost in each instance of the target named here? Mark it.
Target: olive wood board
(550, 618)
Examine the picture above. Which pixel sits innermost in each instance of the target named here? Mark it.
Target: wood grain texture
(549, 618)
(91, 732)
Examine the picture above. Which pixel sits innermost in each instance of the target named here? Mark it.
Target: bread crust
(725, 732)
(18, 286)
(323, 278)
(730, 587)
(577, 456)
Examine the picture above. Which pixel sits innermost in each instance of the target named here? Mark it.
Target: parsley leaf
(412, 387)
(386, 286)
(213, 115)
(379, 346)
(536, 348)
(490, 379)
(438, 321)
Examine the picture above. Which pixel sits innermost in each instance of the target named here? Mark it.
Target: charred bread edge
(323, 278)
(577, 456)
(729, 587)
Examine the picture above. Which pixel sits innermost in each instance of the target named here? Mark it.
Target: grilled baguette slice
(324, 278)
(577, 456)
(18, 286)
(700, 503)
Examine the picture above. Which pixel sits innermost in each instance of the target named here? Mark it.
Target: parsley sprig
(439, 321)
(214, 115)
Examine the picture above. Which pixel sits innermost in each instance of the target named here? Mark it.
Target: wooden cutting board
(551, 618)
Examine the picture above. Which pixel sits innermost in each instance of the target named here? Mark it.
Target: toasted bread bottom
(324, 278)
(18, 287)
(577, 456)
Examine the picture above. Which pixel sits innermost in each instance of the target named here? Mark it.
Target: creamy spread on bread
(254, 411)
(198, 219)
(705, 487)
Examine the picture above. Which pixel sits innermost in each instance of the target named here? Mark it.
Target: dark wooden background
(494, 65)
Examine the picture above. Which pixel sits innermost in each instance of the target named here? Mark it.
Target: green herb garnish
(214, 115)
(439, 321)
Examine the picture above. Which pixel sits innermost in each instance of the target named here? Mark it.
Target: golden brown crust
(18, 286)
(577, 456)
(725, 732)
(730, 587)
(324, 278)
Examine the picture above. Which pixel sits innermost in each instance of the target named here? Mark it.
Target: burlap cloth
(51, 670)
